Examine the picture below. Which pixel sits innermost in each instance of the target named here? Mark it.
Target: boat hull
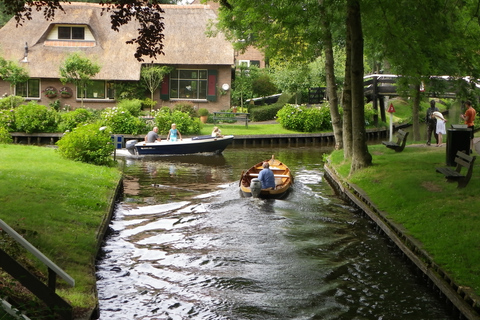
(283, 180)
(205, 144)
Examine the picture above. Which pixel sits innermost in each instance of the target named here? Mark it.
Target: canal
(185, 245)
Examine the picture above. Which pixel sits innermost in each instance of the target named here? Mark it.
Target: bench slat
(462, 160)
(275, 175)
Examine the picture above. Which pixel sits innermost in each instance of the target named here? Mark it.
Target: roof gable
(185, 41)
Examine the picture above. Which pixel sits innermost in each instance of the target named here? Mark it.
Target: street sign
(391, 109)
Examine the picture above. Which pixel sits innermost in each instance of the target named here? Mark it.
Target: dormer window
(71, 33)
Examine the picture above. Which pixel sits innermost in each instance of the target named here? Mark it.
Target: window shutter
(165, 88)
(212, 85)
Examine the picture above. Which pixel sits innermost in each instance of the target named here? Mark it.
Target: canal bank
(460, 297)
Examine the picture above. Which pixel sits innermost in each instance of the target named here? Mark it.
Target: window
(98, 90)
(29, 89)
(188, 84)
(74, 33)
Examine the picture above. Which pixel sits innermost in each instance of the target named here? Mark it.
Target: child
(172, 133)
(216, 133)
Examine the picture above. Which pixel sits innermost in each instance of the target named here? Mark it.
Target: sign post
(391, 110)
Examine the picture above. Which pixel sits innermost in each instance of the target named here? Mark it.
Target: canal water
(185, 245)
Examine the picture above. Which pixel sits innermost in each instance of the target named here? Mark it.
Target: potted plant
(65, 92)
(203, 113)
(50, 92)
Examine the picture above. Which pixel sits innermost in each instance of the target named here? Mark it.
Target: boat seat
(275, 175)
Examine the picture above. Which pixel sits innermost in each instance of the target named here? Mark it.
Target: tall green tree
(13, 73)
(152, 76)
(78, 69)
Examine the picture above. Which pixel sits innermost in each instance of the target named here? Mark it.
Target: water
(185, 245)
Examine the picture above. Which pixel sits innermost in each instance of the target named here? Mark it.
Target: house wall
(223, 100)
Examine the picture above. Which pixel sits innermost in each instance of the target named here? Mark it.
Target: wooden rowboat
(249, 182)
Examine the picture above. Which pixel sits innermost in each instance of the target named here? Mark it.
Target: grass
(443, 218)
(237, 129)
(58, 206)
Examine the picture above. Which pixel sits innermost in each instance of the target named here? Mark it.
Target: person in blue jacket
(266, 177)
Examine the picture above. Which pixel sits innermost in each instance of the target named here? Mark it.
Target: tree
(78, 69)
(146, 12)
(152, 76)
(14, 74)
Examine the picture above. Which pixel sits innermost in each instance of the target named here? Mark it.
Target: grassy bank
(238, 129)
(58, 206)
(443, 218)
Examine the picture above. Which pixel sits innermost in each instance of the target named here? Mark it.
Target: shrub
(185, 124)
(120, 120)
(264, 113)
(11, 102)
(186, 107)
(33, 117)
(69, 120)
(7, 119)
(88, 144)
(203, 112)
(134, 106)
(304, 119)
(5, 137)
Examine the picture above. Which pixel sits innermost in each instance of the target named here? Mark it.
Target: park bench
(401, 141)
(231, 117)
(451, 175)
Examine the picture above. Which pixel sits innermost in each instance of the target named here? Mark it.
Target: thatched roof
(185, 41)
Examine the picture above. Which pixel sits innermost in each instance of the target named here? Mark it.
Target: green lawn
(58, 206)
(446, 220)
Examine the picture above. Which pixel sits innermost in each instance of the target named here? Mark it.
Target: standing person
(152, 136)
(266, 177)
(440, 130)
(172, 134)
(469, 118)
(431, 122)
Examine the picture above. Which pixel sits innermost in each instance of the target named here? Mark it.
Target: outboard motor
(255, 187)
(130, 145)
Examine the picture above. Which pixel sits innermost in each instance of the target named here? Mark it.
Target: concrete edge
(463, 298)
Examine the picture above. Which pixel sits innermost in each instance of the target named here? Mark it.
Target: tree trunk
(330, 78)
(347, 101)
(361, 157)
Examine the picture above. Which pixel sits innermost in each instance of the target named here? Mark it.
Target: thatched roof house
(41, 47)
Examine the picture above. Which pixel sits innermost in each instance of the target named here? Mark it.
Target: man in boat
(266, 177)
(152, 136)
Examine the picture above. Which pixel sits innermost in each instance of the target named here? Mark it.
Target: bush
(7, 119)
(134, 106)
(88, 144)
(203, 112)
(186, 107)
(185, 124)
(120, 120)
(5, 137)
(70, 120)
(11, 102)
(33, 117)
(304, 119)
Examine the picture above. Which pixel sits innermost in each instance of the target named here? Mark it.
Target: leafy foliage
(304, 119)
(185, 124)
(186, 107)
(33, 117)
(120, 120)
(88, 144)
(70, 120)
(10, 102)
(134, 106)
(5, 137)
(7, 119)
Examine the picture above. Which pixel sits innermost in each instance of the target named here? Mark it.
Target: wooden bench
(401, 141)
(462, 160)
(231, 116)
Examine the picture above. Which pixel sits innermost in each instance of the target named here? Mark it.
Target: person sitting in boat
(152, 136)
(266, 177)
(216, 133)
(173, 133)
